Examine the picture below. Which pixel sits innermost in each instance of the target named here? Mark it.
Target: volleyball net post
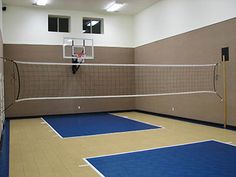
(225, 58)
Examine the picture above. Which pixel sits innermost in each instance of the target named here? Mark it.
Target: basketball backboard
(72, 47)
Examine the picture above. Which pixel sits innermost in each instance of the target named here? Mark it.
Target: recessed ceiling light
(41, 2)
(113, 7)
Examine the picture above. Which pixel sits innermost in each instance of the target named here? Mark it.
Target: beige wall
(202, 46)
(48, 53)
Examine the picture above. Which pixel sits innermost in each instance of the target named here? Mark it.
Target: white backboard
(74, 46)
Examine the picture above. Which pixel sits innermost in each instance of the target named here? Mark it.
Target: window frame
(91, 27)
(58, 17)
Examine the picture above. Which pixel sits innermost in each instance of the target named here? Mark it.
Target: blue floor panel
(93, 124)
(4, 150)
(205, 159)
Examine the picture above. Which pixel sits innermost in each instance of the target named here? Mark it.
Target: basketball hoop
(80, 56)
(77, 50)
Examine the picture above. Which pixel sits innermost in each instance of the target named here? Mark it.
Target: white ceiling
(132, 6)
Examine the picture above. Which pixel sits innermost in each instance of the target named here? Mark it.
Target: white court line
(117, 133)
(90, 165)
(82, 166)
(106, 134)
(52, 128)
(227, 143)
(148, 149)
(129, 152)
(126, 117)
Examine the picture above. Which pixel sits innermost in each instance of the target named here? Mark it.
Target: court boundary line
(148, 149)
(58, 134)
(126, 117)
(93, 167)
(104, 134)
(227, 143)
(115, 133)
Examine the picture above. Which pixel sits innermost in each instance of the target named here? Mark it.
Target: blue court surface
(94, 124)
(204, 159)
(4, 150)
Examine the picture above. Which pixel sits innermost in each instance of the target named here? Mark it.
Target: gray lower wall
(202, 46)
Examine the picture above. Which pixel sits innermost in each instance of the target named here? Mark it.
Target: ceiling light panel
(113, 7)
(41, 2)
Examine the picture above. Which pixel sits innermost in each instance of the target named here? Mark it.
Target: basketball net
(80, 56)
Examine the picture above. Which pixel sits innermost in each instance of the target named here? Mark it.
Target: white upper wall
(1, 15)
(24, 25)
(172, 17)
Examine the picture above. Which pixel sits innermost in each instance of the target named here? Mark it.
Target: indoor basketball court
(126, 88)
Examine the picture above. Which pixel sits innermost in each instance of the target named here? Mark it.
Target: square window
(93, 25)
(58, 24)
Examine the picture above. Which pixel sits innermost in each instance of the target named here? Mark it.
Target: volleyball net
(43, 81)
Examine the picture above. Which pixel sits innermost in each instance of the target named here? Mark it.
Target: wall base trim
(206, 123)
(201, 122)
